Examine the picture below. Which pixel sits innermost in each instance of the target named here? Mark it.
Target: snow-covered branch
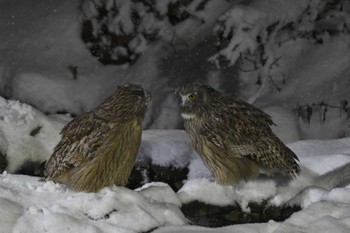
(119, 31)
(253, 34)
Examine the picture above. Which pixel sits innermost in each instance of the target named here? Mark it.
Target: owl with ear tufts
(99, 148)
(233, 138)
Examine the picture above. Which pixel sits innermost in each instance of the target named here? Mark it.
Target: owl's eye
(191, 97)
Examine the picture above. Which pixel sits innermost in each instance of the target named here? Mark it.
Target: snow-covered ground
(29, 205)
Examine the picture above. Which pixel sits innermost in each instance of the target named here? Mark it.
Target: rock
(171, 175)
(218, 216)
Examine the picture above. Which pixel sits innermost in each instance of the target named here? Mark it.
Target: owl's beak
(184, 100)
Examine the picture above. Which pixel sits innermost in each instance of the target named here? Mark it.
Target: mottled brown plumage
(99, 148)
(233, 138)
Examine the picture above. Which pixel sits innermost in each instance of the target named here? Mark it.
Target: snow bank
(32, 206)
(36, 206)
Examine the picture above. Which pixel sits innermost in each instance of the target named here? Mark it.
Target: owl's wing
(237, 127)
(80, 138)
(243, 131)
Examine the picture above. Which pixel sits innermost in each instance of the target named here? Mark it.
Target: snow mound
(40, 207)
(26, 134)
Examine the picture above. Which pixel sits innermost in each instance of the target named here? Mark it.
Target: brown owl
(99, 148)
(233, 138)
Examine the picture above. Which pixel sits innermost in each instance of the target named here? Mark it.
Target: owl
(233, 138)
(99, 148)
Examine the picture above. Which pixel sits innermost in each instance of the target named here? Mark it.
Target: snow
(17, 121)
(249, 22)
(331, 154)
(29, 205)
(174, 142)
(269, 40)
(51, 206)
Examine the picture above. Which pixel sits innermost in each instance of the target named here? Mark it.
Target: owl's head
(195, 99)
(133, 93)
(127, 102)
